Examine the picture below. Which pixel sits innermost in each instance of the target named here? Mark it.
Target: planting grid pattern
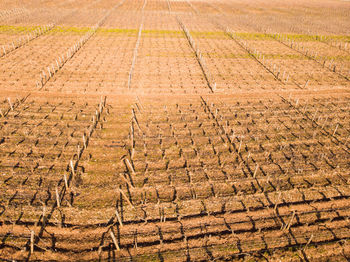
(170, 130)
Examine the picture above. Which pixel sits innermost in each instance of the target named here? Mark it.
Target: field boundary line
(200, 59)
(134, 58)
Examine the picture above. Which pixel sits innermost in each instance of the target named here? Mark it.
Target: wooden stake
(256, 169)
(291, 220)
(313, 118)
(135, 239)
(11, 106)
(126, 198)
(118, 218)
(138, 100)
(129, 166)
(65, 181)
(308, 242)
(324, 122)
(335, 130)
(127, 181)
(99, 251)
(287, 78)
(58, 198)
(31, 241)
(276, 204)
(84, 141)
(72, 167)
(240, 144)
(114, 240)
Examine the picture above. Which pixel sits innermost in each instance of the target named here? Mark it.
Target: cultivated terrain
(168, 130)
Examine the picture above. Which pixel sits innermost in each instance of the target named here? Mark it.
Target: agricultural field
(170, 130)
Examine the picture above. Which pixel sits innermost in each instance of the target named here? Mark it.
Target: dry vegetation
(166, 130)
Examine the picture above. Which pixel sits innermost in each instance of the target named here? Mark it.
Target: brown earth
(164, 130)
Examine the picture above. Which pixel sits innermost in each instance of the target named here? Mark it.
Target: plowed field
(169, 130)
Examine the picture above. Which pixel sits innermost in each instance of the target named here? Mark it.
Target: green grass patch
(170, 54)
(295, 37)
(117, 31)
(70, 30)
(253, 36)
(338, 58)
(163, 33)
(247, 56)
(306, 38)
(10, 29)
(145, 33)
(285, 56)
(210, 35)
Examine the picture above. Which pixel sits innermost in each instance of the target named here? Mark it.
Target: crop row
(24, 39)
(42, 192)
(49, 139)
(161, 199)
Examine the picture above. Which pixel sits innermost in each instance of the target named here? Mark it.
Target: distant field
(167, 130)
